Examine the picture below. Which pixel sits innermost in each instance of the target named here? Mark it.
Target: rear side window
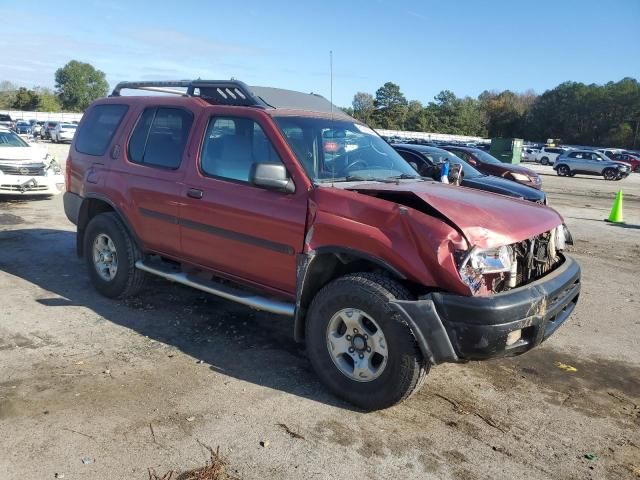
(98, 128)
(160, 137)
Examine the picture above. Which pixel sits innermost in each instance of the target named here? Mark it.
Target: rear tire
(544, 161)
(563, 171)
(107, 239)
(387, 375)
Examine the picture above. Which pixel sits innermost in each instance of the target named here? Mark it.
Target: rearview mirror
(272, 176)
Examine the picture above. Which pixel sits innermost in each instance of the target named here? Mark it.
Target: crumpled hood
(29, 154)
(486, 220)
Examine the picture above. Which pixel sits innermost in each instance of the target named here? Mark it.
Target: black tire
(544, 161)
(563, 171)
(128, 280)
(609, 174)
(405, 368)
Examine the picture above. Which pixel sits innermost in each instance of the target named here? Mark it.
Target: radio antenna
(331, 80)
(333, 163)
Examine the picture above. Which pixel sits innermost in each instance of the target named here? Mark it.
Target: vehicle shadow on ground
(234, 340)
(624, 225)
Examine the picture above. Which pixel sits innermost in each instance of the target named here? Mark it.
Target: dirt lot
(95, 388)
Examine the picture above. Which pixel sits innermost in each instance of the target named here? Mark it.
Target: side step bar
(245, 298)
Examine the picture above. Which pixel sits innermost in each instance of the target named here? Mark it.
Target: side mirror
(272, 176)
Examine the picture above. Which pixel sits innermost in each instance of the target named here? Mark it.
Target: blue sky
(425, 46)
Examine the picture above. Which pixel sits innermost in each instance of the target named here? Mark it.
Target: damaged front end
(495, 270)
(28, 177)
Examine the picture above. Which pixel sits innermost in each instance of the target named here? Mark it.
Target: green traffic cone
(616, 212)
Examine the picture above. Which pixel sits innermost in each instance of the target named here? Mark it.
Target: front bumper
(454, 328)
(31, 185)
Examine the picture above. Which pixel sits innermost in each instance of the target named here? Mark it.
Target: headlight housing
(520, 177)
(479, 262)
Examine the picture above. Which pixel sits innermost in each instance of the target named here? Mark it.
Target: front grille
(20, 188)
(34, 169)
(535, 258)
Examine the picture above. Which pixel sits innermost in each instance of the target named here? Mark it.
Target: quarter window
(232, 145)
(98, 128)
(160, 137)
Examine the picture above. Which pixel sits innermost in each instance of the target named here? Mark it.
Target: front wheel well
(318, 269)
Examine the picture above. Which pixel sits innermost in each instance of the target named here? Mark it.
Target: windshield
(485, 157)
(10, 139)
(440, 156)
(342, 150)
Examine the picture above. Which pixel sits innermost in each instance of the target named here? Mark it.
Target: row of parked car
(549, 155)
(55, 131)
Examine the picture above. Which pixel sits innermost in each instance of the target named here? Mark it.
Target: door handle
(195, 193)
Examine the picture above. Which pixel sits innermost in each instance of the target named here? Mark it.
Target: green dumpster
(507, 150)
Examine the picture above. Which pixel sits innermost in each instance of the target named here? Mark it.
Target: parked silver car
(590, 162)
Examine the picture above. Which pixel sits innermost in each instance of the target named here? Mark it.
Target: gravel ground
(96, 388)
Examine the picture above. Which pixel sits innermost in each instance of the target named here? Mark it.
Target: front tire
(359, 346)
(609, 174)
(111, 254)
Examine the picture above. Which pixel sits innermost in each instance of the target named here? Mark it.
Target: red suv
(279, 201)
(490, 165)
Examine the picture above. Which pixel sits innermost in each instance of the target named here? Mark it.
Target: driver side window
(232, 145)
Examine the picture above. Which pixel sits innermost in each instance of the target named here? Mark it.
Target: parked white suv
(63, 132)
(548, 155)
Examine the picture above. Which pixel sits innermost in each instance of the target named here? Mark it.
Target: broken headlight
(478, 262)
(563, 237)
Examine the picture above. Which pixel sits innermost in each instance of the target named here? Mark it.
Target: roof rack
(235, 92)
(220, 92)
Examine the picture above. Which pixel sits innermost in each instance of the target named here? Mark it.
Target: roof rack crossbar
(219, 92)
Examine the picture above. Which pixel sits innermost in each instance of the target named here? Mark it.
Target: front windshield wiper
(406, 176)
(360, 178)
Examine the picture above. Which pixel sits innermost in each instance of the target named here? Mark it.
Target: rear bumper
(72, 203)
(454, 328)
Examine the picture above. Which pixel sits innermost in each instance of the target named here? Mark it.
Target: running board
(228, 293)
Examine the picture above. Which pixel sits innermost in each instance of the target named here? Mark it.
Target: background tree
(7, 94)
(363, 107)
(78, 84)
(391, 106)
(47, 100)
(25, 99)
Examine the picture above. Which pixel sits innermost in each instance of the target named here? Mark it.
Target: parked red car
(277, 200)
(632, 160)
(490, 165)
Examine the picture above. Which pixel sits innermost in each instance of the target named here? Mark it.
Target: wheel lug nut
(350, 349)
(361, 356)
(368, 349)
(355, 330)
(348, 337)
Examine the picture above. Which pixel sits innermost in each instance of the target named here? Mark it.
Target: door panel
(154, 162)
(244, 231)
